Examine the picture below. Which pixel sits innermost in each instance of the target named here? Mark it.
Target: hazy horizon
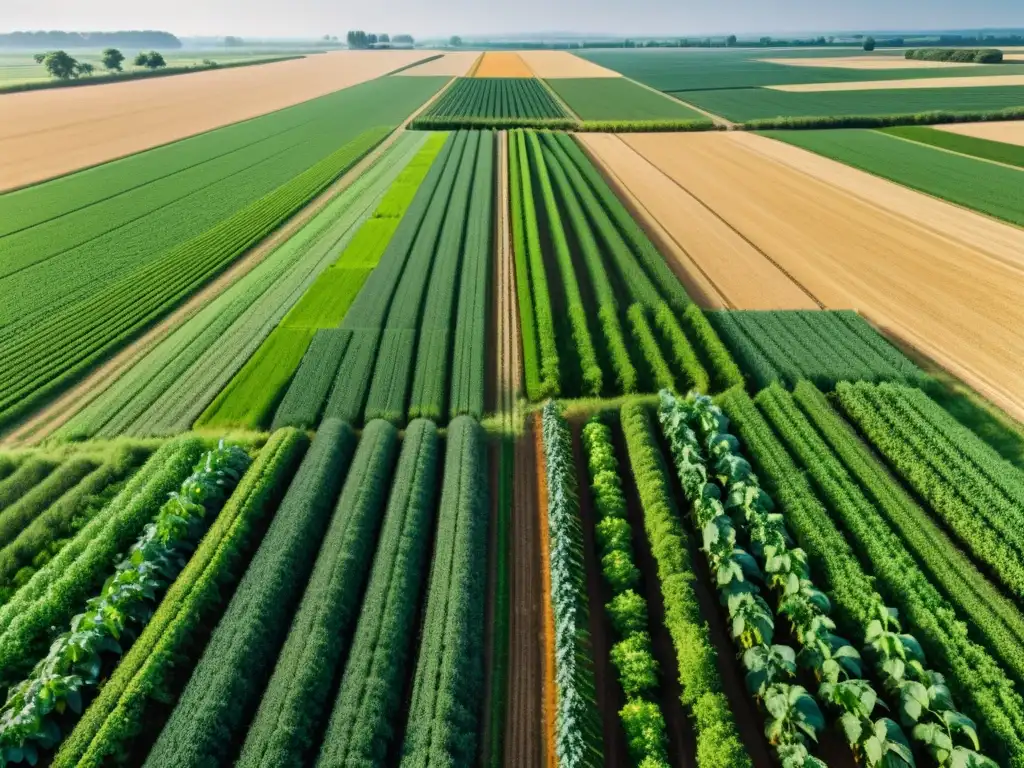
(306, 18)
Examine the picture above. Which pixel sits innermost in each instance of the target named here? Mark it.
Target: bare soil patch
(450, 65)
(947, 281)
(1011, 132)
(502, 64)
(44, 134)
(737, 269)
(556, 64)
(886, 85)
(868, 62)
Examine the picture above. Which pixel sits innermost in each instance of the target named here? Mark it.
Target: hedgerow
(223, 691)
(441, 123)
(933, 117)
(718, 741)
(165, 650)
(968, 55)
(360, 729)
(447, 693)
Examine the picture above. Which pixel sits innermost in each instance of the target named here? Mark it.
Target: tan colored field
(555, 64)
(501, 64)
(867, 62)
(48, 133)
(450, 65)
(944, 280)
(884, 85)
(1011, 132)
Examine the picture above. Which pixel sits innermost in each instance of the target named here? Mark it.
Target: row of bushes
(965, 55)
(642, 718)
(882, 121)
(718, 742)
(432, 123)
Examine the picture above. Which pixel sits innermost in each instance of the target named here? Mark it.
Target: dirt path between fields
(507, 382)
(524, 714)
(53, 416)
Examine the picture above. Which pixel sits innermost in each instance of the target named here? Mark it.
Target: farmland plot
(615, 98)
(496, 97)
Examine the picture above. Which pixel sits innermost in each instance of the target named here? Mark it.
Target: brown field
(868, 62)
(501, 64)
(49, 133)
(737, 271)
(555, 64)
(944, 280)
(449, 65)
(884, 85)
(1011, 132)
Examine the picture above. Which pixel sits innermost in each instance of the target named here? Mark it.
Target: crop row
(978, 495)
(496, 97)
(824, 347)
(578, 738)
(974, 677)
(642, 718)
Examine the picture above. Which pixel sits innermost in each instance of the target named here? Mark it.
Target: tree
(151, 60)
(869, 43)
(730, 40)
(371, 40)
(83, 68)
(455, 41)
(112, 59)
(383, 38)
(59, 64)
(831, 40)
(233, 42)
(405, 39)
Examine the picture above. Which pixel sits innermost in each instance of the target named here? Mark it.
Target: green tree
(83, 68)
(455, 41)
(151, 60)
(59, 64)
(869, 43)
(384, 38)
(112, 59)
(730, 40)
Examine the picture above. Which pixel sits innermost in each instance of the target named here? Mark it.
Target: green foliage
(27, 476)
(628, 612)
(713, 353)
(447, 693)
(578, 739)
(643, 337)
(249, 400)
(373, 684)
(149, 60)
(295, 707)
(166, 649)
(326, 301)
(456, 123)
(307, 394)
(57, 591)
(14, 518)
(112, 59)
(965, 181)
(932, 117)
(824, 347)
(222, 694)
(619, 99)
(965, 55)
(32, 716)
(997, 151)
(718, 742)
(638, 671)
(645, 733)
(495, 97)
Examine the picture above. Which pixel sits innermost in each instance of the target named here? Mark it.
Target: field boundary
(951, 152)
(729, 125)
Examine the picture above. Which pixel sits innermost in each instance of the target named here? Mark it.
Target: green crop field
(996, 151)
(496, 97)
(615, 98)
(985, 187)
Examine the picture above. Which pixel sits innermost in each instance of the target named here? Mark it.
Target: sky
(302, 18)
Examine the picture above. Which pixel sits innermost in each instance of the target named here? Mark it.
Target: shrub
(638, 671)
(645, 733)
(628, 612)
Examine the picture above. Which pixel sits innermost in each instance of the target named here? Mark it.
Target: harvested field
(1010, 132)
(736, 269)
(888, 85)
(868, 62)
(49, 133)
(556, 64)
(500, 64)
(450, 65)
(941, 279)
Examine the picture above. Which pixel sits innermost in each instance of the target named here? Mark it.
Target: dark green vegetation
(90, 260)
(496, 97)
(984, 187)
(616, 98)
(967, 55)
(997, 151)
(563, 124)
(824, 347)
(602, 312)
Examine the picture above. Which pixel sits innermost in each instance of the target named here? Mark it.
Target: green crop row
(931, 117)
(824, 347)
(977, 494)
(208, 722)
(578, 737)
(463, 123)
(27, 476)
(974, 677)
(997, 151)
(718, 741)
(621, 100)
(309, 389)
(170, 387)
(447, 690)
(165, 649)
(295, 706)
(27, 506)
(641, 717)
(495, 97)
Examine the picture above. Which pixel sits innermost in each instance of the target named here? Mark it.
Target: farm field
(556, 64)
(842, 248)
(500, 64)
(1011, 132)
(603, 98)
(494, 97)
(446, 65)
(1003, 152)
(125, 118)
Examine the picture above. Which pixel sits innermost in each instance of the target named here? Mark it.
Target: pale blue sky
(285, 18)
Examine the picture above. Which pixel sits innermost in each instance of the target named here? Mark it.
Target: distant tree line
(64, 40)
(360, 39)
(63, 66)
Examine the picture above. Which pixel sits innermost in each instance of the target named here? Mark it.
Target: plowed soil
(451, 65)
(868, 62)
(738, 271)
(1011, 132)
(49, 133)
(555, 64)
(885, 85)
(944, 280)
(501, 64)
